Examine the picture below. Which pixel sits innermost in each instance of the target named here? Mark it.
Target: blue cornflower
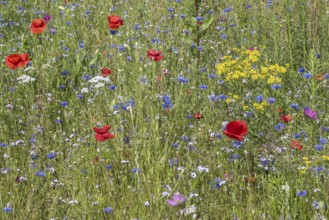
(109, 166)
(182, 79)
(269, 3)
(136, 170)
(326, 129)
(218, 183)
(212, 76)
(64, 73)
(294, 106)
(223, 36)
(79, 96)
(203, 87)
(3, 145)
(121, 48)
(301, 193)
(259, 98)
(108, 210)
(198, 18)
(189, 116)
(183, 16)
(226, 10)
(270, 100)
(40, 173)
(318, 147)
(307, 75)
(212, 97)
(235, 157)
(301, 70)
(7, 209)
(172, 162)
(113, 32)
(112, 87)
(222, 97)
(175, 145)
(58, 121)
(185, 138)
(166, 102)
(237, 144)
(279, 127)
(156, 41)
(276, 86)
(318, 169)
(323, 140)
(81, 44)
(61, 87)
(51, 155)
(86, 77)
(64, 104)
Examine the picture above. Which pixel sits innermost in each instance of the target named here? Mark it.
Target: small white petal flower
(25, 79)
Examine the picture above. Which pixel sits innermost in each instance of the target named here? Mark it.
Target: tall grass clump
(170, 109)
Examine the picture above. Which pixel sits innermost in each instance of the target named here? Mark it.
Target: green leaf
(187, 40)
(206, 25)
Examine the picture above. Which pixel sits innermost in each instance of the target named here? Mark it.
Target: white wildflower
(25, 79)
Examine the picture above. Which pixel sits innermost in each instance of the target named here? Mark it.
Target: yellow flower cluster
(260, 106)
(325, 157)
(231, 98)
(246, 66)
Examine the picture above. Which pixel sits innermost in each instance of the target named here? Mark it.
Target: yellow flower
(245, 108)
(260, 106)
(273, 80)
(325, 157)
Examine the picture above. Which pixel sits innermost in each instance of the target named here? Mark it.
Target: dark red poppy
(295, 145)
(14, 61)
(236, 129)
(154, 55)
(197, 116)
(102, 134)
(114, 21)
(38, 26)
(106, 72)
(286, 118)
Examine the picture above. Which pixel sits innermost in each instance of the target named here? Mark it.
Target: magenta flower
(310, 113)
(176, 200)
(46, 17)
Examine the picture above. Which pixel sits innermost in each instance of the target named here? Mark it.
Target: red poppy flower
(236, 129)
(286, 118)
(14, 61)
(114, 21)
(102, 134)
(106, 72)
(197, 116)
(154, 55)
(38, 26)
(295, 145)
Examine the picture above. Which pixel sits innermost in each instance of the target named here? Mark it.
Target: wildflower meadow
(164, 109)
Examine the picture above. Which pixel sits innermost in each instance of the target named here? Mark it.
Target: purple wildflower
(176, 200)
(47, 18)
(310, 113)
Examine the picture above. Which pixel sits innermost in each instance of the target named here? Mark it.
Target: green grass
(77, 183)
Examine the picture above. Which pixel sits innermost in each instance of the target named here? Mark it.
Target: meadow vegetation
(170, 109)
